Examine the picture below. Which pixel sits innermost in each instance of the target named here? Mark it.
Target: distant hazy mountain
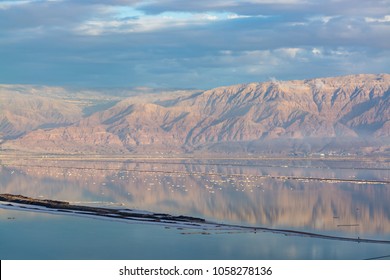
(348, 114)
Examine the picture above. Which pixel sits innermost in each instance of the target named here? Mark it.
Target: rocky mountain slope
(332, 115)
(21, 112)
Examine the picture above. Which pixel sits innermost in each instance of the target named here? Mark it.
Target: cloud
(316, 51)
(148, 23)
(290, 52)
(272, 7)
(386, 18)
(190, 43)
(31, 14)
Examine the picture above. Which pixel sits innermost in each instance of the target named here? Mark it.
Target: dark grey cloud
(35, 14)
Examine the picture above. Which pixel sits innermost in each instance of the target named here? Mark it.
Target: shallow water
(282, 194)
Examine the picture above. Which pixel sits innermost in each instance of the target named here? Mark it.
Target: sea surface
(333, 197)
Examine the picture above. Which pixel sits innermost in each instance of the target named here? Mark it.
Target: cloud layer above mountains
(199, 44)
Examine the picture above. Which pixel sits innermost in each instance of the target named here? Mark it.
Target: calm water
(282, 194)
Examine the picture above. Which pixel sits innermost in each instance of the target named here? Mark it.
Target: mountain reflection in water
(271, 194)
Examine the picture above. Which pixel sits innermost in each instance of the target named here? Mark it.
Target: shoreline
(17, 154)
(19, 202)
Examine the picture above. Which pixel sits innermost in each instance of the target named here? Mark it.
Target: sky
(197, 44)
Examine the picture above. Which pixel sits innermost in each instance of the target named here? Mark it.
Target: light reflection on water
(44, 236)
(235, 192)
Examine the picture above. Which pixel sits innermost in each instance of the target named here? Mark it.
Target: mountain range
(337, 115)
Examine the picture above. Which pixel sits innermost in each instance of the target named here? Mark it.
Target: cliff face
(290, 116)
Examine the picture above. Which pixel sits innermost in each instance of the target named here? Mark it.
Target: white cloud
(226, 52)
(381, 20)
(8, 4)
(323, 19)
(236, 16)
(298, 23)
(290, 52)
(149, 23)
(277, 1)
(316, 51)
(145, 23)
(210, 17)
(340, 52)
